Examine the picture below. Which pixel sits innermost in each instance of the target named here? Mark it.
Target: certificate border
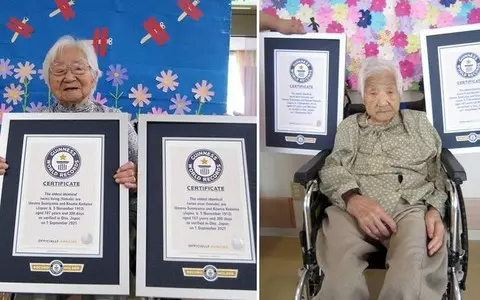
(323, 133)
(459, 148)
(141, 288)
(341, 87)
(249, 209)
(123, 286)
(19, 206)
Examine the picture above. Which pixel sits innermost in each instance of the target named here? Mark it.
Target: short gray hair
(84, 45)
(375, 65)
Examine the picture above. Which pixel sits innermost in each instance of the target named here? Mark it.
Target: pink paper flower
(307, 2)
(324, 15)
(445, 19)
(353, 14)
(353, 81)
(335, 27)
(399, 39)
(352, 3)
(4, 109)
(270, 11)
(474, 16)
(402, 8)
(406, 68)
(378, 5)
(358, 37)
(418, 10)
(415, 58)
(371, 49)
(158, 111)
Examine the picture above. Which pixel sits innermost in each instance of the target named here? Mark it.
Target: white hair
(84, 45)
(372, 66)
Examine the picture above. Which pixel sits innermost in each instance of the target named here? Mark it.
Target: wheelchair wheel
(309, 283)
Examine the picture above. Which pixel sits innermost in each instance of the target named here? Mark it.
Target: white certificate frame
(424, 34)
(141, 287)
(123, 287)
(341, 86)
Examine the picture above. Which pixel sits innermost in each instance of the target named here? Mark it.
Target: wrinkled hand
(371, 217)
(3, 166)
(126, 175)
(290, 26)
(435, 230)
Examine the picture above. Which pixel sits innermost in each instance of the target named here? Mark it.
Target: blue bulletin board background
(187, 72)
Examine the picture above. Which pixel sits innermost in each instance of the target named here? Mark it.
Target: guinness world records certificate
(197, 211)
(301, 90)
(451, 69)
(63, 218)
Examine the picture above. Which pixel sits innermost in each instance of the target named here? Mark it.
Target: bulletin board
(389, 29)
(158, 57)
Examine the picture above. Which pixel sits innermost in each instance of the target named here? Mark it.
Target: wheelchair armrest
(453, 168)
(309, 171)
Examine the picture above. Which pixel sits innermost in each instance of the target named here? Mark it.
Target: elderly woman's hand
(435, 230)
(3, 166)
(127, 175)
(371, 217)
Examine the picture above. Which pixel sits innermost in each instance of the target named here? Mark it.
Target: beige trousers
(342, 249)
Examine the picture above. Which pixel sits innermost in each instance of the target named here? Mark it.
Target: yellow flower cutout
(432, 15)
(413, 43)
(384, 38)
(354, 66)
(340, 13)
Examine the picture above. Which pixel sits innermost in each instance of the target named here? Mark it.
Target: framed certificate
(63, 219)
(303, 88)
(196, 212)
(451, 70)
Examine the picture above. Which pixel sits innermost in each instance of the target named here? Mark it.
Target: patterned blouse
(399, 161)
(92, 107)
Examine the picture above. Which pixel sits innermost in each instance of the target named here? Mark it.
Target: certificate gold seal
(56, 268)
(210, 273)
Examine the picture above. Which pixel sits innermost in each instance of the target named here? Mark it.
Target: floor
(280, 261)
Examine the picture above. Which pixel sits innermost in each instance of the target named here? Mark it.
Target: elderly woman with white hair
(71, 72)
(385, 181)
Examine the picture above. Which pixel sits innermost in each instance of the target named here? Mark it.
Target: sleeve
(435, 174)
(335, 177)
(132, 145)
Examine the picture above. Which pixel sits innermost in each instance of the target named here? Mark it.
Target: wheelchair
(315, 203)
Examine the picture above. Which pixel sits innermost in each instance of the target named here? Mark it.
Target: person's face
(381, 97)
(70, 77)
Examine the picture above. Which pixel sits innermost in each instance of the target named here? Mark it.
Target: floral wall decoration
(385, 28)
(157, 57)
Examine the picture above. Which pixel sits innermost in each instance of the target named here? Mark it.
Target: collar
(363, 123)
(87, 106)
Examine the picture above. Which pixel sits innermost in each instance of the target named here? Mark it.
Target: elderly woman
(385, 181)
(71, 72)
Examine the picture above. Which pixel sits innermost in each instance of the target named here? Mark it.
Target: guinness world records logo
(56, 268)
(301, 70)
(62, 162)
(204, 166)
(468, 65)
